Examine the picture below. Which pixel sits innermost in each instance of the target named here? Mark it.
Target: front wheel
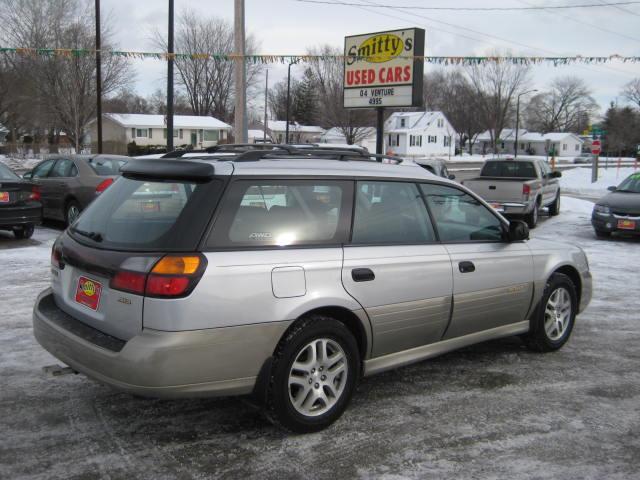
(314, 373)
(553, 319)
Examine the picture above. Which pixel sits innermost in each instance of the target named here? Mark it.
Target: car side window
(283, 212)
(390, 213)
(459, 217)
(42, 170)
(62, 168)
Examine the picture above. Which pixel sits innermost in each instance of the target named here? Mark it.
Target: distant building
(297, 133)
(199, 132)
(531, 143)
(419, 134)
(334, 135)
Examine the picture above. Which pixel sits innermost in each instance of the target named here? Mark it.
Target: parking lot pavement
(494, 410)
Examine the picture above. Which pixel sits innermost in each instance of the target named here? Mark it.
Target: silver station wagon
(290, 275)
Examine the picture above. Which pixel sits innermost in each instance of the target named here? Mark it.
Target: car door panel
(40, 177)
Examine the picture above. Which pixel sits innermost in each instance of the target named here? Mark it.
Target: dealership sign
(381, 69)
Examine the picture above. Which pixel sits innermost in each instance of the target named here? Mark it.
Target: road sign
(595, 147)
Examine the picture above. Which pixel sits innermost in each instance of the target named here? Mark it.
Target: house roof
(414, 120)
(509, 135)
(281, 126)
(128, 120)
(506, 134)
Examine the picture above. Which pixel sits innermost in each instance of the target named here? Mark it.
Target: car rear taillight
(172, 276)
(106, 183)
(56, 256)
(526, 189)
(35, 193)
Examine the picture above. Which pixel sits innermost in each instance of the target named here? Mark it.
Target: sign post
(595, 150)
(384, 69)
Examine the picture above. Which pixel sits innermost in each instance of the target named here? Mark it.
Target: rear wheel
(553, 320)
(25, 231)
(554, 208)
(532, 218)
(314, 373)
(602, 234)
(72, 212)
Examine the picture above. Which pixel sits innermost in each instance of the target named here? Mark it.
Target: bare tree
(328, 75)
(631, 91)
(208, 82)
(496, 85)
(126, 100)
(565, 107)
(158, 103)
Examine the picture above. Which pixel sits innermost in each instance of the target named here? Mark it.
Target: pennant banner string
(284, 59)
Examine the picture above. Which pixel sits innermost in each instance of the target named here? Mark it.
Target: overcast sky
(289, 27)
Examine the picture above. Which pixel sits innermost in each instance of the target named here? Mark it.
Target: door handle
(362, 275)
(466, 267)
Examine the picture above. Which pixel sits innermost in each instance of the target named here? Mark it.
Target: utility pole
(240, 74)
(515, 145)
(266, 98)
(170, 52)
(98, 79)
(286, 131)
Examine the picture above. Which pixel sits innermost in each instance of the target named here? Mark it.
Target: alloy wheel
(557, 314)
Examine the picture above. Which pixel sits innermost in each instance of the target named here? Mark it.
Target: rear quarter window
(106, 166)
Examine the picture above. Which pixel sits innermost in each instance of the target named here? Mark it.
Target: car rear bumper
(23, 215)
(212, 362)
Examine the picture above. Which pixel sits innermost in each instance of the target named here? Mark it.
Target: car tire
(71, 212)
(603, 234)
(554, 317)
(302, 398)
(24, 232)
(532, 217)
(554, 208)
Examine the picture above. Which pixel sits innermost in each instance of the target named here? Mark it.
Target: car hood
(623, 201)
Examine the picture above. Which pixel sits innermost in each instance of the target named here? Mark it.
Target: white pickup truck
(518, 188)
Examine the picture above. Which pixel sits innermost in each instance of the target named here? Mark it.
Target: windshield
(509, 169)
(630, 184)
(7, 174)
(138, 215)
(105, 166)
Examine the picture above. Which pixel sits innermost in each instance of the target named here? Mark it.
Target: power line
(619, 8)
(481, 9)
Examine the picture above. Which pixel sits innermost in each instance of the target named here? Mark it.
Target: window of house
(447, 140)
(412, 140)
(577, 147)
(440, 123)
(390, 212)
(180, 133)
(402, 122)
(432, 139)
(459, 217)
(564, 146)
(151, 133)
(142, 133)
(211, 135)
(502, 145)
(175, 133)
(419, 140)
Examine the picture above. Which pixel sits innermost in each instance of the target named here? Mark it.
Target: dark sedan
(619, 211)
(70, 183)
(20, 209)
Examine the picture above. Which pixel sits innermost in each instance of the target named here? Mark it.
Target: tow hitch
(58, 370)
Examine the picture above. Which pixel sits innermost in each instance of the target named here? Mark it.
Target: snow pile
(20, 165)
(578, 180)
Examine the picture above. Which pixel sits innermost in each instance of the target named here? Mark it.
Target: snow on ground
(494, 410)
(577, 181)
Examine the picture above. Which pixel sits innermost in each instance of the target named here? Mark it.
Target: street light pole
(515, 146)
(286, 131)
(98, 79)
(170, 50)
(240, 74)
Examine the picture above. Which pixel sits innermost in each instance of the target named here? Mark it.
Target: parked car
(20, 207)
(290, 280)
(437, 166)
(518, 188)
(619, 211)
(583, 158)
(68, 184)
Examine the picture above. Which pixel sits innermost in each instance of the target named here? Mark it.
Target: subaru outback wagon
(290, 276)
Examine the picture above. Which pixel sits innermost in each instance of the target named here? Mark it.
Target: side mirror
(451, 177)
(518, 231)
(27, 175)
(612, 188)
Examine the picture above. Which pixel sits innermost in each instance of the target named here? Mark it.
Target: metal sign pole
(380, 131)
(594, 169)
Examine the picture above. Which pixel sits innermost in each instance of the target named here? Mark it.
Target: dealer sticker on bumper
(88, 293)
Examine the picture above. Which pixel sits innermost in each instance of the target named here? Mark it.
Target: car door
(492, 278)
(62, 179)
(40, 176)
(395, 268)
(549, 183)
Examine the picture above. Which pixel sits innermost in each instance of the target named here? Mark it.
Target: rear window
(282, 213)
(105, 166)
(7, 174)
(509, 169)
(148, 215)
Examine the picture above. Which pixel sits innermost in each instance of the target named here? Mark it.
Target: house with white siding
(419, 134)
(336, 136)
(531, 143)
(143, 129)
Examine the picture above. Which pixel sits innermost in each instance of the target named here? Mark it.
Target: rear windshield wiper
(95, 236)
